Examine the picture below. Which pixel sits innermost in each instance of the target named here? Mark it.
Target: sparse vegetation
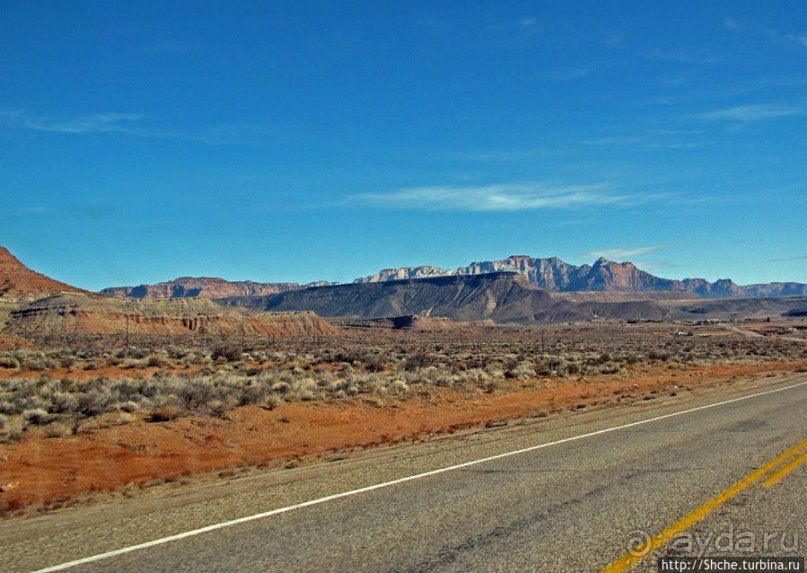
(163, 379)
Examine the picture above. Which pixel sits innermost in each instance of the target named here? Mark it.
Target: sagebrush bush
(12, 429)
(57, 430)
(37, 417)
(9, 362)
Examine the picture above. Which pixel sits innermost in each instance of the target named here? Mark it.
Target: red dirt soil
(40, 473)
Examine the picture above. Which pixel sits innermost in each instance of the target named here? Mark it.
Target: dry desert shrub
(166, 413)
(11, 428)
(57, 430)
(220, 374)
(37, 417)
(9, 362)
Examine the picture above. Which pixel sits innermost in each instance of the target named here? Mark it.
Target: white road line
(223, 524)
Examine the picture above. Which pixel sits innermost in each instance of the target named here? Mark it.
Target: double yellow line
(792, 458)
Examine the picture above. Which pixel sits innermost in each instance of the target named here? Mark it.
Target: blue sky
(299, 141)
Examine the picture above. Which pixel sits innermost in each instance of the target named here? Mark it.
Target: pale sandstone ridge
(69, 313)
(19, 282)
(555, 275)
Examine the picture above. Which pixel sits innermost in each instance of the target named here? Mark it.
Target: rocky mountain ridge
(201, 287)
(503, 298)
(556, 275)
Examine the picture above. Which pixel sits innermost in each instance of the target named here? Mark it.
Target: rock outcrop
(19, 282)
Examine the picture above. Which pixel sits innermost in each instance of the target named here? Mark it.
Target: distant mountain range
(514, 290)
(551, 274)
(555, 275)
(502, 297)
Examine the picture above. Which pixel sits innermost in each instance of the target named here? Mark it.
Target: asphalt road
(576, 505)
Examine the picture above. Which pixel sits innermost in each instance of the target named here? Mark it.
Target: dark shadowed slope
(502, 297)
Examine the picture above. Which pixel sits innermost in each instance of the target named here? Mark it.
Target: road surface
(575, 494)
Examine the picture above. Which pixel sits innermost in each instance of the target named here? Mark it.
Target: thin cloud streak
(752, 113)
(770, 34)
(620, 254)
(131, 124)
(787, 259)
(493, 198)
(502, 155)
(569, 74)
(98, 123)
(650, 140)
(685, 56)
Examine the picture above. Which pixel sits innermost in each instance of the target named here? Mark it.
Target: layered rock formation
(69, 313)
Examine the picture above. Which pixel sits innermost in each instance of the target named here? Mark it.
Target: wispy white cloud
(502, 155)
(770, 34)
(170, 48)
(96, 123)
(615, 140)
(510, 33)
(110, 122)
(620, 254)
(133, 124)
(676, 80)
(787, 259)
(527, 28)
(494, 198)
(684, 56)
(9, 117)
(569, 74)
(797, 39)
(652, 140)
(32, 211)
(752, 113)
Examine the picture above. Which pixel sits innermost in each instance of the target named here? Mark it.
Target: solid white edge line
(328, 498)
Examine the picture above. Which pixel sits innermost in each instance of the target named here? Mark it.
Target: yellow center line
(782, 472)
(630, 559)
